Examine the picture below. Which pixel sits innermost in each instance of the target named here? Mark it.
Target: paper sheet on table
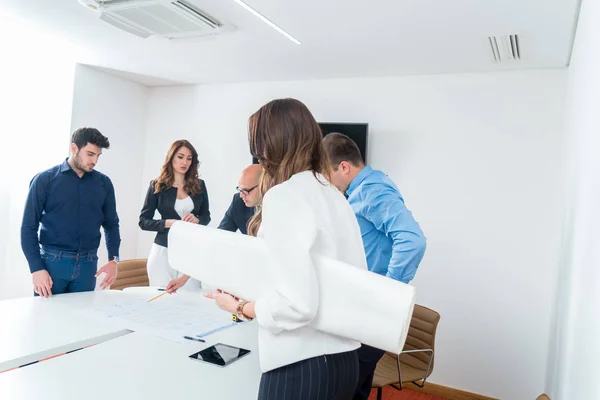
(169, 317)
(354, 303)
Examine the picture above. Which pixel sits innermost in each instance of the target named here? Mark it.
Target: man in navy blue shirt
(71, 201)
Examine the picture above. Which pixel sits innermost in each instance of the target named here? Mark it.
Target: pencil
(156, 297)
(193, 338)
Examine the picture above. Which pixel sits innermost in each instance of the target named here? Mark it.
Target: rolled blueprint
(353, 303)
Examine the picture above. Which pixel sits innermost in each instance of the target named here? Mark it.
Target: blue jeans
(70, 272)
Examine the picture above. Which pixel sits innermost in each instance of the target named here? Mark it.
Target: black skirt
(328, 377)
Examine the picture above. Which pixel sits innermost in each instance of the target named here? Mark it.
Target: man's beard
(77, 164)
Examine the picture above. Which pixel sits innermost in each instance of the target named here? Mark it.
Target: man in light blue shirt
(393, 241)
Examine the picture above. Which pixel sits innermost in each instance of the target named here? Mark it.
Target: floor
(389, 393)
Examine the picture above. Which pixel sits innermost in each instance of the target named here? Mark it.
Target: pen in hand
(156, 297)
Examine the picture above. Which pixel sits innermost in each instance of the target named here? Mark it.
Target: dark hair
(167, 176)
(341, 148)
(285, 138)
(82, 136)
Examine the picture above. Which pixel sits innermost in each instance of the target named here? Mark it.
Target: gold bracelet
(240, 311)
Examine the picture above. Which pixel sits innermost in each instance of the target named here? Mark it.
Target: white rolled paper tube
(353, 303)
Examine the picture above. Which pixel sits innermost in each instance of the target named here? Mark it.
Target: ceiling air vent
(171, 19)
(505, 48)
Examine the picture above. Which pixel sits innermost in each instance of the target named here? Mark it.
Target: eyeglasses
(245, 192)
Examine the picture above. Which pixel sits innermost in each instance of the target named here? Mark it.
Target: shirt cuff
(37, 266)
(388, 275)
(264, 318)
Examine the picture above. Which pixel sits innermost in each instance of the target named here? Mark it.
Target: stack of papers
(170, 317)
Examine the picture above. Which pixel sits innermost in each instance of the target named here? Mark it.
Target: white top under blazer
(301, 217)
(184, 206)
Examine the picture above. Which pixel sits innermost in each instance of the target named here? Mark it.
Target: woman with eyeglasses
(177, 194)
(301, 215)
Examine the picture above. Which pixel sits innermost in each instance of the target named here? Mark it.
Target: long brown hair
(167, 176)
(285, 138)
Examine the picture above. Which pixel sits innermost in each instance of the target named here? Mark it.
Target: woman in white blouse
(177, 194)
(301, 215)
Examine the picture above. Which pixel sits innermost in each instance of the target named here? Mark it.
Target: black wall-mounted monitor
(357, 132)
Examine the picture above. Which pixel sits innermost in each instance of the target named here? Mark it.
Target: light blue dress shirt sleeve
(386, 210)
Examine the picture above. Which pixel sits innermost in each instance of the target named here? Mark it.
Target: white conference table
(29, 326)
(121, 364)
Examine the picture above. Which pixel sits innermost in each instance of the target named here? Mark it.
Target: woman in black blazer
(177, 194)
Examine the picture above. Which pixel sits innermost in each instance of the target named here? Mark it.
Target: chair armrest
(428, 365)
(416, 351)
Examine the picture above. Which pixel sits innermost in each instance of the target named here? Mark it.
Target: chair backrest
(131, 273)
(421, 335)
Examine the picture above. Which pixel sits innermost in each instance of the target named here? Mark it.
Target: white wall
(573, 369)
(36, 87)
(478, 159)
(117, 108)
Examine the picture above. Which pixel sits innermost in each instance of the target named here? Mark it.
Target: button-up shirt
(393, 241)
(70, 210)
